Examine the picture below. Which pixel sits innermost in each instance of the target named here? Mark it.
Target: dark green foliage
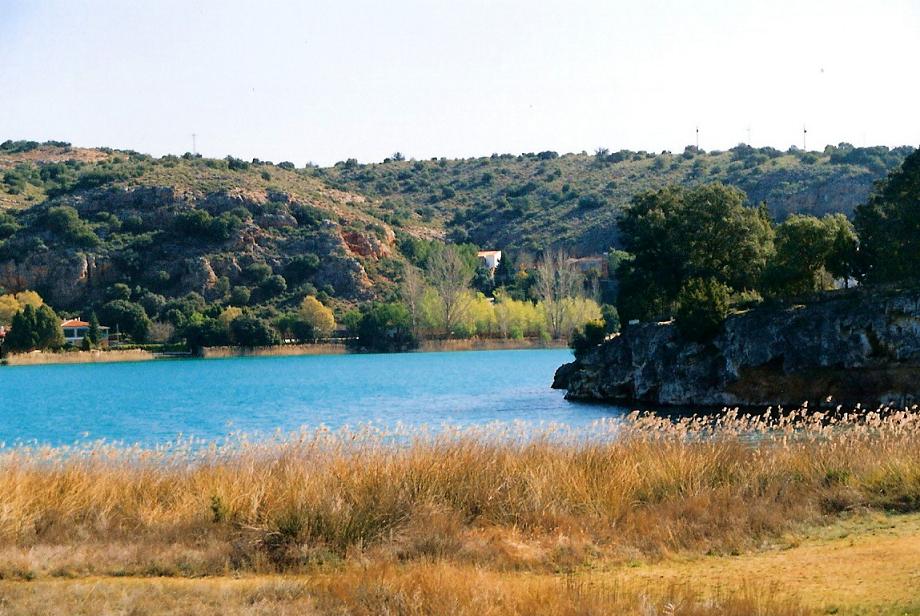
(889, 227)
(482, 279)
(611, 318)
(415, 249)
(251, 331)
(593, 333)
(65, 222)
(257, 273)
(178, 311)
(292, 325)
(236, 164)
(205, 332)
(382, 327)
(152, 303)
(273, 286)
(676, 234)
(119, 290)
(93, 335)
(23, 334)
(702, 306)
(200, 224)
(48, 328)
(128, 317)
(33, 329)
(8, 225)
(301, 268)
(809, 252)
(240, 296)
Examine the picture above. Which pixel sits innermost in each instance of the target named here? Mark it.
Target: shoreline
(135, 355)
(40, 358)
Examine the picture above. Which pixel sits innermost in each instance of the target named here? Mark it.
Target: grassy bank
(458, 522)
(40, 358)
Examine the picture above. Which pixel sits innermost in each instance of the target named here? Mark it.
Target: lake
(156, 401)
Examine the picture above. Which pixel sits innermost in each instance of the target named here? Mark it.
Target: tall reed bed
(505, 496)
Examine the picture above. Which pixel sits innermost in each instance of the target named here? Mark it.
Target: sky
(309, 81)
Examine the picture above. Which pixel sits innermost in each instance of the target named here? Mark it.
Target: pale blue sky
(323, 81)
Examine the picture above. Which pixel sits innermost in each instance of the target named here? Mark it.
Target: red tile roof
(74, 323)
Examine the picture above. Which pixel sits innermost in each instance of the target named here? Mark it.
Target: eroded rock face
(62, 278)
(858, 347)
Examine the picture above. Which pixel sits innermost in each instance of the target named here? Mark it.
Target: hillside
(76, 221)
(534, 200)
(79, 220)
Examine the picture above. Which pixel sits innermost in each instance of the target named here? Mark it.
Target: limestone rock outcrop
(861, 346)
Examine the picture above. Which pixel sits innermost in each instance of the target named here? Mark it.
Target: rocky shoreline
(843, 348)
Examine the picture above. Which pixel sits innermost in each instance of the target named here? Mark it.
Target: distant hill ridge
(523, 202)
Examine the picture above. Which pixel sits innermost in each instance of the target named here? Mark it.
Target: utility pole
(194, 149)
(697, 138)
(804, 138)
(749, 134)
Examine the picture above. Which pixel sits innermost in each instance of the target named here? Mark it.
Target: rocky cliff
(854, 347)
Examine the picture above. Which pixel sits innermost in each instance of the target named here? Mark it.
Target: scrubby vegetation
(530, 201)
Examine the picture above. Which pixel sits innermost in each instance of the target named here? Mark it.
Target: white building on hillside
(491, 257)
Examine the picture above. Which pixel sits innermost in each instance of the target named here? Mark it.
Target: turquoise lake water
(154, 402)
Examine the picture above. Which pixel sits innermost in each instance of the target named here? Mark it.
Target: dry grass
(448, 521)
(418, 589)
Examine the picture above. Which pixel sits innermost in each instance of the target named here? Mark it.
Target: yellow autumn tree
(318, 316)
(230, 314)
(11, 304)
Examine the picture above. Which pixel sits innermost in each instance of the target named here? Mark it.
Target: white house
(491, 257)
(76, 330)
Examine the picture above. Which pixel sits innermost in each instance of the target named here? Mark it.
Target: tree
(810, 252)
(23, 334)
(317, 316)
(888, 226)
(202, 332)
(251, 331)
(556, 280)
(128, 317)
(229, 314)
(93, 334)
(450, 275)
(841, 260)
(383, 327)
(301, 268)
(611, 318)
(412, 292)
(11, 304)
(482, 279)
(240, 296)
(677, 233)
(35, 329)
(591, 334)
(702, 307)
(273, 286)
(119, 290)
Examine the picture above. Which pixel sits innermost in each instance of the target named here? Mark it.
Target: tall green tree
(384, 328)
(94, 334)
(23, 334)
(810, 253)
(35, 329)
(48, 330)
(130, 318)
(676, 234)
(889, 227)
